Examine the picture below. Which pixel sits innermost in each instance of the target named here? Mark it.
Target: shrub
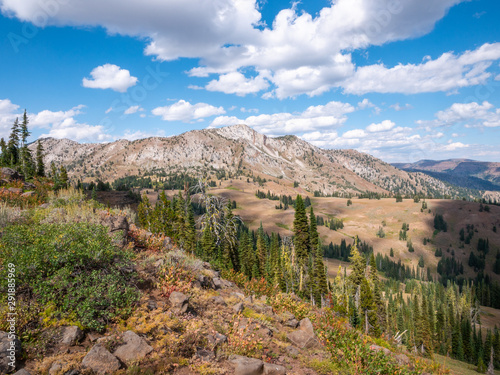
(72, 268)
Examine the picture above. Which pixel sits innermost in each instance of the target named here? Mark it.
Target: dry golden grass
(365, 216)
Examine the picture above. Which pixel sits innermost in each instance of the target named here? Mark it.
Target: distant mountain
(461, 172)
(241, 150)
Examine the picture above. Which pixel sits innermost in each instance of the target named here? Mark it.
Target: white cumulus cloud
(330, 115)
(446, 73)
(133, 109)
(109, 76)
(381, 127)
(237, 83)
(302, 53)
(469, 114)
(187, 112)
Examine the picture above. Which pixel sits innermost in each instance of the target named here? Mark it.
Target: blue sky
(400, 79)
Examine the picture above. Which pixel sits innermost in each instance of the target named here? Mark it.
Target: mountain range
(240, 150)
(460, 172)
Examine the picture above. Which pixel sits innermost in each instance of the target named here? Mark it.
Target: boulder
(402, 359)
(205, 282)
(56, 367)
(179, 302)
(71, 335)
(115, 224)
(10, 349)
(238, 295)
(135, 348)
(14, 190)
(217, 283)
(101, 361)
(377, 348)
(239, 307)
(263, 309)
(304, 336)
(72, 372)
(246, 366)
(28, 194)
(10, 174)
(272, 369)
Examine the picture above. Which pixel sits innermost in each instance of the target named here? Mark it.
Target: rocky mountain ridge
(240, 149)
(461, 172)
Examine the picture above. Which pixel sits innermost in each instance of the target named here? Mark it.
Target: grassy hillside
(365, 216)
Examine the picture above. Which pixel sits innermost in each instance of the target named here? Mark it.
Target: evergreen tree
(301, 239)
(274, 260)
(93, 195)
(377, 297)
(427, 343)
(320, 286)
(40, 166)
(4, 159)
(244, 252)
(13, 145)
(63, 177)
(261, 250)
(208, 246)
(313, 231)
(358, 266)
(367, 307)
(26, 159)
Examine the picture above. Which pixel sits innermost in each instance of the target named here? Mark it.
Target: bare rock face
(252, 366)
(180, 302)
(402, 359)
(239, 307)
(135, 348)
(246, 366)
(71, 335)
(304, 336)
(22, 372)
(10, 352)
(117, 225)
(56, 367)
(101, 361)
(377, 348)
(272, 369)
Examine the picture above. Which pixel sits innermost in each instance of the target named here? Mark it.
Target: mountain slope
(460, 172)
(240, 149)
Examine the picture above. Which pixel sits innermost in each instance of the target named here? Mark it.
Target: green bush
(72, 269)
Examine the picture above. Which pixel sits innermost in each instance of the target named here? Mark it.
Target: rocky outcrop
(10, 351)
(304, 337)
(101, 361)
(179, 302)
(135, 348)
(10, 174)
(71, 335)
(118, 226)
(251, 366)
